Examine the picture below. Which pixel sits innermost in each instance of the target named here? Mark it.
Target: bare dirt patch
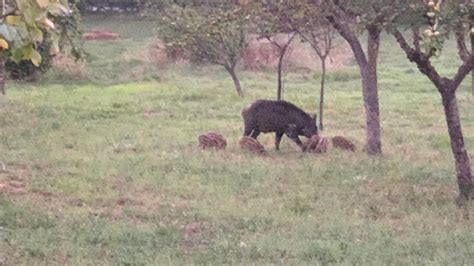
(12, 187)
(149, 112)
(100, 35)
(17, 171)
(193, 237)
(192, 229)
(12, 178)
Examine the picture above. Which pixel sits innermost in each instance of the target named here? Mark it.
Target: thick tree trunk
(463, 163)
(321, 95)
(371, 104)
(368, 71)
(2, 76)
(280, 74)
(238, 87)
(370, 93)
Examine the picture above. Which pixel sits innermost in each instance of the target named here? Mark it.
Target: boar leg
(278, 137)
(295, 138)
(248, 131)
(255, 133)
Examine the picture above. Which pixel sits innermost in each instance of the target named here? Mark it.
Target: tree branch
(343, 8)
(269, 38)
(463, 70)
(416, 38)
(350, 37)
(285, 46)
(422, 61)
(313, 42)
(460, 40)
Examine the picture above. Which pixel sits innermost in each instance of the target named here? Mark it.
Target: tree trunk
(447, 88)
(238, 88)
(368, 71)
(321, 95)
(463, 163)
(472, 72)
(280, 74)
(371, 104)
(282, 50)
(370, 92)
(2, 76)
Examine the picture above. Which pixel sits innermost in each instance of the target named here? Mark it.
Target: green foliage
(273, 17)
(23, 26)
(216, 36)
(25, 69)
(440, 20)
(65, 39)
(69, 34)
(437, 20)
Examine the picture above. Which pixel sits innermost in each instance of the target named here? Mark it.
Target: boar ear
(315, 116)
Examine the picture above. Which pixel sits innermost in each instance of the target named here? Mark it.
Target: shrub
(69, 31)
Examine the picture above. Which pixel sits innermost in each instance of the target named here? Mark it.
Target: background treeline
(121, 6)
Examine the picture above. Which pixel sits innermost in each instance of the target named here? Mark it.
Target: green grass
(110, 171)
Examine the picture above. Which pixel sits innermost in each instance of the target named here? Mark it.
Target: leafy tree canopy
(213, 37)
(23, 24)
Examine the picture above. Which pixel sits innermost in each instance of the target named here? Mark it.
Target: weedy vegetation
(107, 169)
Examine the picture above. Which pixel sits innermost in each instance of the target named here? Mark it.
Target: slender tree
(440, 20)
(217, 36)
(271, 25)
(320, 35)
(322, 43)
(309, 22)
(282, 50)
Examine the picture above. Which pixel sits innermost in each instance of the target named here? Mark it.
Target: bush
(69, 31)
(25, 70)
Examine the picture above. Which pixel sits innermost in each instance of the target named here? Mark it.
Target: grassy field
(106, 169)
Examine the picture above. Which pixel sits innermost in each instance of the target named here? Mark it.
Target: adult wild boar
(280, 117)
